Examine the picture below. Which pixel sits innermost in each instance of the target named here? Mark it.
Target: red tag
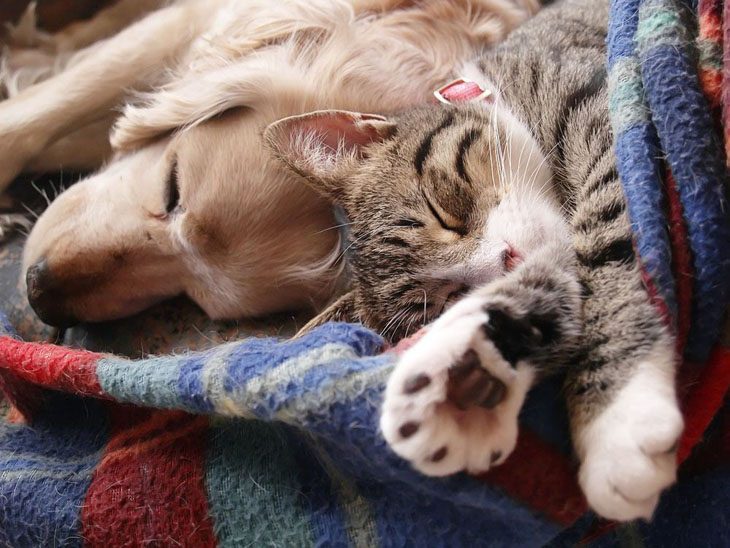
(462, 90)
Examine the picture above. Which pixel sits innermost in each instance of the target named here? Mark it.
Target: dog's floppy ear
(186, 102)
(324, 146)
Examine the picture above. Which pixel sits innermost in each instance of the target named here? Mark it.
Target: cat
(506, 215)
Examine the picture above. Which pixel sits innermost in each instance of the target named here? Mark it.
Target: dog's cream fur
(197, 81)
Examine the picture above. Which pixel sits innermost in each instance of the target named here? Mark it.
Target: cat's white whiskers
(522, 151)
(499, 152)
(425, 305)
(392, 323)
(366, 235)
(344, 251)
(334, 227)
(401, 320)
(536, 171)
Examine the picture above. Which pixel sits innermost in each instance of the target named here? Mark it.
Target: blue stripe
(190, 385)
(314, 381)
(637, 155)
(683, 121)
(637, 159)
(42, 498)
(258, 356)
(327, 518)
(623, 22)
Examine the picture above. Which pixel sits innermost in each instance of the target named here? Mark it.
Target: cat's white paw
(452, 402)
(630, 449)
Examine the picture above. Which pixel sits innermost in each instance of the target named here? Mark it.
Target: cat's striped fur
(432, 194)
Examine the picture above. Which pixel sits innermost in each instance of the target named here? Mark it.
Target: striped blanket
(267, 442)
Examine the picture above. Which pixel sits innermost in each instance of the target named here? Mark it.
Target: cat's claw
(452, 402)
(630, 449)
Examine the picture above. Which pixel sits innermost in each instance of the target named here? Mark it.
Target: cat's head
(439, 200)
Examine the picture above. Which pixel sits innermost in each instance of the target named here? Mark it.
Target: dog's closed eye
(173, 189)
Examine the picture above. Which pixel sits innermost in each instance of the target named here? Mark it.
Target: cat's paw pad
(631, 452)
(453, 401)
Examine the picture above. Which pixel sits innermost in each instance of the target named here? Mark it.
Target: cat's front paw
(453, 401)
(630, 449)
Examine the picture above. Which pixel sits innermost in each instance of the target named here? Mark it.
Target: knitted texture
(664, 124)
(267, 442)
(156, 450)
(709, 47)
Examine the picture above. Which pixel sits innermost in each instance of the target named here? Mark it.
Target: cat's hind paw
(630, 449)
(452, 402)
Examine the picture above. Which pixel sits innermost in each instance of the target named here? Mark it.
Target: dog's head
(193, 204)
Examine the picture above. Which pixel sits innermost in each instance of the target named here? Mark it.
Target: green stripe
(659, 26)
(253, 491)
(626, 96)
(151, 382)
(710, 54)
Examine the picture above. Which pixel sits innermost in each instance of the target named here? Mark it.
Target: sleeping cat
(515, 200)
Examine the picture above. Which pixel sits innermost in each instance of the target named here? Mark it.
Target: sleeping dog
(188, 200)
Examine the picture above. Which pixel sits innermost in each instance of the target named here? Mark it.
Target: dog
(185, 198)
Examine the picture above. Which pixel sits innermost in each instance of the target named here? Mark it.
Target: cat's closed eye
(446, 221)
(409, 223)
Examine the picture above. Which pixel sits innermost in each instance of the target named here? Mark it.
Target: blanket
(275, 442)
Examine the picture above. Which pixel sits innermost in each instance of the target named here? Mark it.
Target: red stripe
(711, 83)
(726, 74)
(541, 477)
(51, 366)
(710, 22)
(712, 453)
(705, 400)
(150, 490)
(26, 398)
(681, 261)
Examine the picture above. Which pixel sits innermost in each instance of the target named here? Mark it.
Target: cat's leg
(622, 400)
(621, 385)
(453, 401)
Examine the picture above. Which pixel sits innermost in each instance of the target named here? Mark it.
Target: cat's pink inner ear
(321, 145)
(344, 132)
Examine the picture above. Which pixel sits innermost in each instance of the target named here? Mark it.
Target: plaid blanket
(124, 452)
(269, 442)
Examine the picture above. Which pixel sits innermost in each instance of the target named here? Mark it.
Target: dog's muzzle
(47, 296)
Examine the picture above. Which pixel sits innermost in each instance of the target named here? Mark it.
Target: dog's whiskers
(30, 211)
(42, 192)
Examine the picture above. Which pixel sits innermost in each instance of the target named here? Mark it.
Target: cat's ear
(326, 145)
(342, 310)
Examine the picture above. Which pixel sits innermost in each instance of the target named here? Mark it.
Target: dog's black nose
(46, 296)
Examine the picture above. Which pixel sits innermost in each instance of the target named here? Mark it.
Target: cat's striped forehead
(446, 135)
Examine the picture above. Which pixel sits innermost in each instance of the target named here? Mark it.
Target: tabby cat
(517, 201)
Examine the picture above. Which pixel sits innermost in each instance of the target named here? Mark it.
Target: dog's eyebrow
(173, 188)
